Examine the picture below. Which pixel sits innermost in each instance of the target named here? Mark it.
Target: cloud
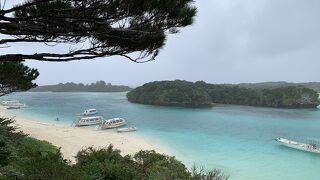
(285, 26)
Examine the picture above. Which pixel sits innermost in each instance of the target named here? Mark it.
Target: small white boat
(9, 102)
(16, 106)
(90, 112)
(88, 121)
(13, 104)
(13, 107)
(127, 129)
(298, 145)
(113, 123)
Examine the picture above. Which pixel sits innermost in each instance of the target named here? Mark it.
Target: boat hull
(298, 145)
(129, 129)
(16, 106)
(105, 126)
(88, 124)
(12, 107)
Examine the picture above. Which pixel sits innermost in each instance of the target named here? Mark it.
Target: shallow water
(236, 139)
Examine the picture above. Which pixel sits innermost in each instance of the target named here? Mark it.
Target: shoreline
(73, 139)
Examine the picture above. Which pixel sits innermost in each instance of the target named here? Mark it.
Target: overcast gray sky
(231, 41)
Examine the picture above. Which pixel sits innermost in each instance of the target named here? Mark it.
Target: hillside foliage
(99, 86)
(22, 157)
(271, 85)
(201, 94)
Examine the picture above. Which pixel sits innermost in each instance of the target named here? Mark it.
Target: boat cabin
(112, 123)
(86, 121)
(90, 112)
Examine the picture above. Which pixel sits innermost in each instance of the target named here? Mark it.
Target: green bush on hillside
(22, 157)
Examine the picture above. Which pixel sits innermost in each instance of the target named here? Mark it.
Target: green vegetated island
(201, 94)
(99, 86)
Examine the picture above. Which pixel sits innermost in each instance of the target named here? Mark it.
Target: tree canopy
(99, 86)
(135, 29)
(171, 93)
(271, 85)
(15, 76)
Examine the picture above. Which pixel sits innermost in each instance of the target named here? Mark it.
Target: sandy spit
(72, 139)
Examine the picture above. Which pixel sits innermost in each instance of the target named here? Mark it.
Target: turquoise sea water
(235, 139)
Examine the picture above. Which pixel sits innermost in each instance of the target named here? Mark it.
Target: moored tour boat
(16, 106)
(13, 107)
(88, 121)
(9, 102)
(90, 112)
(127, 129)
(13, 104)
(113, 123)
(298, 145)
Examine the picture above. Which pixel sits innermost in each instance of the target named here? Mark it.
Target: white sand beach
(73, 139)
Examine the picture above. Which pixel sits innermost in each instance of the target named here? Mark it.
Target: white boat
(15, 106)
(9, 102)
(113, 123)
(90, 112)
(127, 129)
(87, 121)
(298, 145)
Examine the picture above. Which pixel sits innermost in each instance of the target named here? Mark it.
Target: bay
(239, 140)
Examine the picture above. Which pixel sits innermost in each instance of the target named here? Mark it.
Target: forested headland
(99, 86)
(271, 85)
(201, 94)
